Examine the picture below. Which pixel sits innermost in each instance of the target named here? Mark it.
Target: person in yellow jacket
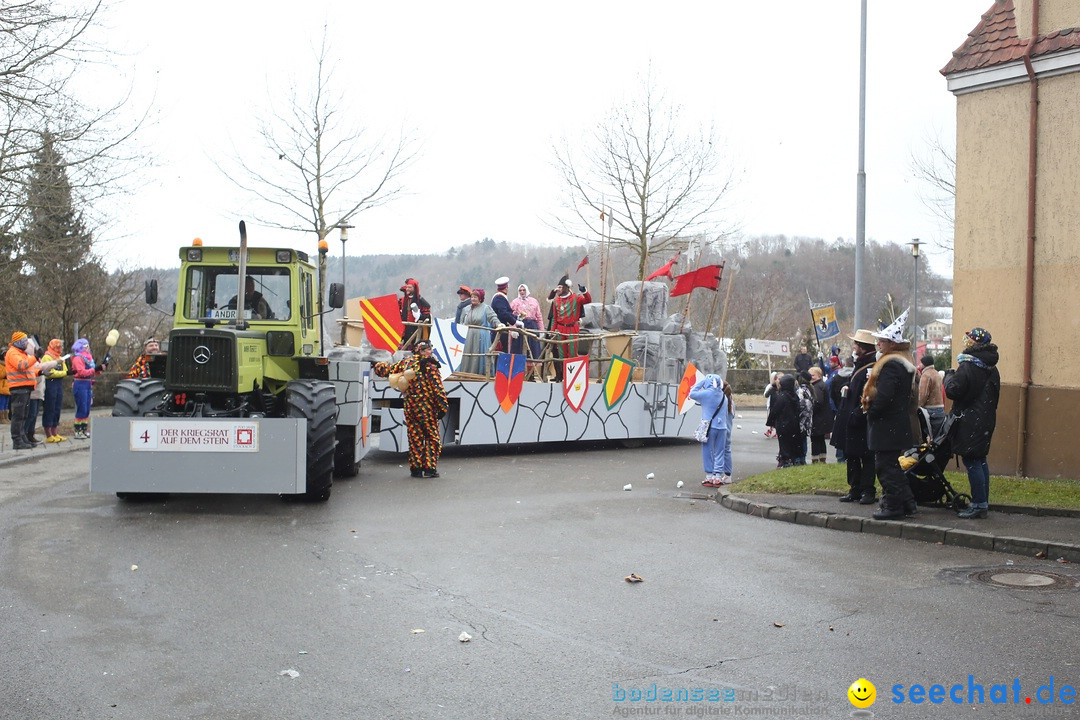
(54, 391)
(22, 372)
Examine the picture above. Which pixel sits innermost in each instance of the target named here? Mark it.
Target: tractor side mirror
(150, 288)
(337, 295)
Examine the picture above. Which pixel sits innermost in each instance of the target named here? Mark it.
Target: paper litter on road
(290, 673)
(464, 637)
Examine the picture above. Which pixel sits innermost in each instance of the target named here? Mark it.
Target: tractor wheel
(316, 402)
(134, 398)
(344, 464)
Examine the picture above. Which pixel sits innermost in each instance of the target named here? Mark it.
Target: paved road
(526, 552)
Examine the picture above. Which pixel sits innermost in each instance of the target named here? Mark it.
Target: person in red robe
(567, 309)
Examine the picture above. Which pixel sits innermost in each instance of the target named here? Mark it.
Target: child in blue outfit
(714, 396)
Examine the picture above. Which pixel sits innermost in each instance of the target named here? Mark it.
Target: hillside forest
(764, 286)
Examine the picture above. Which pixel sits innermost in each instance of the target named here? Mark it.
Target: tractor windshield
(212, 293)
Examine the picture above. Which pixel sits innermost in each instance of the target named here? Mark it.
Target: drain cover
(1019, 579)
(1015, 578)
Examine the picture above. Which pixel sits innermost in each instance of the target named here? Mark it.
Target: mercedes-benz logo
(201, 355)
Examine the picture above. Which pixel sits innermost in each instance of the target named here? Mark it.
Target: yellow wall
(1053, 14)
(991, 207)
(990, 247)
(1057, 228)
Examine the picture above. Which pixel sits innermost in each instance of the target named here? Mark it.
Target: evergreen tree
(61, 280)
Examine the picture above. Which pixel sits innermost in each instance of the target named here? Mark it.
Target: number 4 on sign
(145, 437)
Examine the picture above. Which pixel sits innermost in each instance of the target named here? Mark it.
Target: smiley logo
(862, 693)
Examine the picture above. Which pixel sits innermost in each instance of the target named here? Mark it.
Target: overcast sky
(490, 86)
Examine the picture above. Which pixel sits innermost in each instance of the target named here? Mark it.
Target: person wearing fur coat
(887, 401)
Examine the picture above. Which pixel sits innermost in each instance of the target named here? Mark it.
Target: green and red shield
(617, 381)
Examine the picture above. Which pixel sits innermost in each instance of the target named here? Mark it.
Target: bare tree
(43, 46)
(663, 182)
(319, 171)
(41, 49)
(936, 167)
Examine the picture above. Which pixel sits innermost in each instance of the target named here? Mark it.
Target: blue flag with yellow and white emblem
(825, 324)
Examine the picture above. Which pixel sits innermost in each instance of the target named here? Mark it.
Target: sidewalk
(1034, 532)
(11, 456)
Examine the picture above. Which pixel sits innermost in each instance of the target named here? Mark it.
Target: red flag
(665, 271)
(583, 263)
(382, 322)
(707, 277)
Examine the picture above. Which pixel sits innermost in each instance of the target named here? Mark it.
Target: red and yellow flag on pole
(382, 322)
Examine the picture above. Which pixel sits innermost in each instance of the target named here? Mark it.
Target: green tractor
(244, 394)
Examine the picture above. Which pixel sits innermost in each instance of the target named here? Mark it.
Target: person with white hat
(500, 305)
(888, 402)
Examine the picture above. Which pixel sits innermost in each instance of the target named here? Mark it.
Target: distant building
(1016, 267)
(938, 329)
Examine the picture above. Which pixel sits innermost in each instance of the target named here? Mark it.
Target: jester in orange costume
(425, 405)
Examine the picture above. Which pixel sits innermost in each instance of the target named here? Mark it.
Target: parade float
(628, 383)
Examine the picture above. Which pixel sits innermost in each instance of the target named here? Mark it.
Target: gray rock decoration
(659, 346)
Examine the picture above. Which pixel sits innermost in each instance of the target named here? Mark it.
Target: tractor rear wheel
(316, 402)
(134, 398)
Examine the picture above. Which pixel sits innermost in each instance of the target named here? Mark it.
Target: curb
(14, 457)
(912, 530)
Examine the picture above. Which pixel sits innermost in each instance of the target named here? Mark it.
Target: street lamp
(344, 236)
(915, 298)
(344, 228)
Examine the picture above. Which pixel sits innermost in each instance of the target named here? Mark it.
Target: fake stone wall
(659, 347)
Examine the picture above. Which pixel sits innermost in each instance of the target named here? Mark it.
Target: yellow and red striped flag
(382, 322)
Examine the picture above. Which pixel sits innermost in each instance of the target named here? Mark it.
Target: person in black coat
(822, 419)
(974, 388)
(887, 400)
(849, 428)
(784, 418)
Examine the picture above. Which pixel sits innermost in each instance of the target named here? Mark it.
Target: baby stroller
(925, 466)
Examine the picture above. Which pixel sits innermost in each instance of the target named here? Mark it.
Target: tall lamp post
(344, 228)
(915, 299)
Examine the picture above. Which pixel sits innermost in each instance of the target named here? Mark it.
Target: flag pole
(686, 309)
(723, 316)
(603, 284)
(715, 300)
(641, 290)
(813, 322)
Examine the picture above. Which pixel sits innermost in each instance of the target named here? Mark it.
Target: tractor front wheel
(315, 401)
(134, 398)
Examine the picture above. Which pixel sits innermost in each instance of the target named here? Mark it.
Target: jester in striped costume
(567, 308)
(425, 405)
